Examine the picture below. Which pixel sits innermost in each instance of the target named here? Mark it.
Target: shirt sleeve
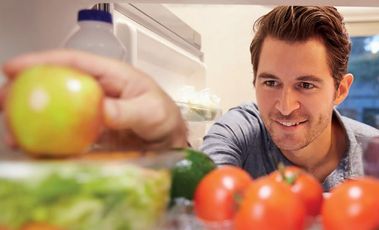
(227, 140)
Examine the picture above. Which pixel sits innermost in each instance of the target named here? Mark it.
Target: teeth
(289, 123)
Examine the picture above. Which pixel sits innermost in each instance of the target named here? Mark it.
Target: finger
(9, 140)
(116, 74)
(116, 114)
(8, 137)
(176, 140)
(142, 114)
(156, 130)
(152, 117)
(3, 91)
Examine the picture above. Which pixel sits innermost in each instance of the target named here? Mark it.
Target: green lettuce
(85, 196)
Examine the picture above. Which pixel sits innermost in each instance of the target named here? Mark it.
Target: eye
(270, 83)
(306, 85)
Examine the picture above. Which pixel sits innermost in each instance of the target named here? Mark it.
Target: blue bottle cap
(94, 15)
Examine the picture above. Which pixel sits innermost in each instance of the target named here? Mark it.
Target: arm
(221, 145)
(227, 141)
(131, 96)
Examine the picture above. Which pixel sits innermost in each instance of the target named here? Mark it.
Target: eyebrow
(266, 76)
(311, 78)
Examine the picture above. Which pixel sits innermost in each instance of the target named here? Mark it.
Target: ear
(343, 88)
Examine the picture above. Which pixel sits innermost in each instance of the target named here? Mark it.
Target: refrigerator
(156, 41)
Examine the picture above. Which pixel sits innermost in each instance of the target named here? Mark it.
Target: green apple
(54, 111)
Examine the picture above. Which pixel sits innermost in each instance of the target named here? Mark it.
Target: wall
(226, 32)
(361, 21)
(26, 26)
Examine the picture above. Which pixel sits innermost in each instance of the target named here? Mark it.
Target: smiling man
(299, 57)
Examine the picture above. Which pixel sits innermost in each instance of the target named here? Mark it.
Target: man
(299, 57)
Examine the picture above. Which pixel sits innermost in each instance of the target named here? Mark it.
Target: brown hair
(300, 23)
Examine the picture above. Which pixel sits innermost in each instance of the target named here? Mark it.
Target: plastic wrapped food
(85, 194)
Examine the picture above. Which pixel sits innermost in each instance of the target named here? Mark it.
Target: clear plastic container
(95, 35)
(93, 191)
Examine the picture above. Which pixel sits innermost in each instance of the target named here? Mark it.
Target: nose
(287, 102)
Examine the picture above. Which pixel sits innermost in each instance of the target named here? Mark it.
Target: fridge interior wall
(171, 66)
(27, 26)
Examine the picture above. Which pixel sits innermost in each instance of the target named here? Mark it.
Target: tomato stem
(289, 179)
(282, 170)
(237, 198)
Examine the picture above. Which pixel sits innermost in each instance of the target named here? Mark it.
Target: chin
(290, 145)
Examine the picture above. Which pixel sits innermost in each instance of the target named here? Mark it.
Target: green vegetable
(187, 173)
(85, 196)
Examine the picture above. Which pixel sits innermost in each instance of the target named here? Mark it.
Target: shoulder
(240, 124)
(359, 129)
(235, 136)
(250, 108)
(247, 112)
(243, 120)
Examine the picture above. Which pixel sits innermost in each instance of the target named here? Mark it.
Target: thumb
(116, 113)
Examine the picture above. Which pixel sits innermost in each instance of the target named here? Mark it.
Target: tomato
(303, 184)
(217, 194)
(353, 204)
(269, 204)
(39, 226)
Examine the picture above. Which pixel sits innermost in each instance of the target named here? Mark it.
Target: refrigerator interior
(157, 41)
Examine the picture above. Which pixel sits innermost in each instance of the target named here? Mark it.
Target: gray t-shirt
(240, 138)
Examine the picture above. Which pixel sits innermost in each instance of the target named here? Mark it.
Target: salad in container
(86, 193)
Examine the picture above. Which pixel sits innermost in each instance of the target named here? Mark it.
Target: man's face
(295, 92)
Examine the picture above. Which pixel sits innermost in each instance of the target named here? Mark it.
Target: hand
(134, 103)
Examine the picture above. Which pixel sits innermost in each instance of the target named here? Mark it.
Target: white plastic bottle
(96, 35)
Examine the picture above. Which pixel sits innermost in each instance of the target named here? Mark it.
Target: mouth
(290, 123)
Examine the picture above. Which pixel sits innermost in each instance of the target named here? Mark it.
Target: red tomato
(353, 204)
(216, 195)
(39, 226)
(269, 204)
(304, 185)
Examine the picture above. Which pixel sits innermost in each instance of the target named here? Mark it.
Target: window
(362, 104)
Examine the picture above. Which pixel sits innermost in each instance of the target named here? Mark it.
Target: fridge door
(162, 45)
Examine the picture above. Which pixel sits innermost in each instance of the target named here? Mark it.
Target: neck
(323, 155)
